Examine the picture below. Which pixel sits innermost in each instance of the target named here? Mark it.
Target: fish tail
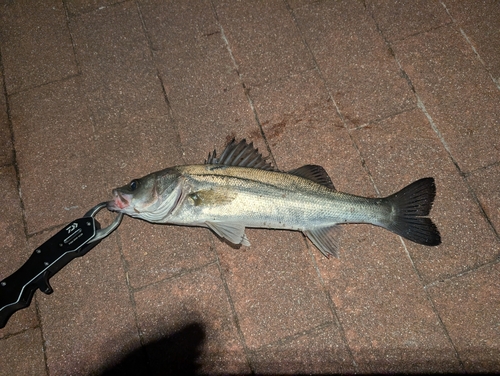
(410, 206)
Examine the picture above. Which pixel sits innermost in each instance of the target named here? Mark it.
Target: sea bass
(241, 189)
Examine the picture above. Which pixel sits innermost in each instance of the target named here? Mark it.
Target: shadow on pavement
(175, 354)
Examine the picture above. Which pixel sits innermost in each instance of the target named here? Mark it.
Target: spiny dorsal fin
(241, 155)
(315, 173)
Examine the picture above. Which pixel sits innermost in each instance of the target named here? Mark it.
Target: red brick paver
(380, 93)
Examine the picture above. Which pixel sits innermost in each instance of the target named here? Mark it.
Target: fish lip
(120, 202)
(112, 206)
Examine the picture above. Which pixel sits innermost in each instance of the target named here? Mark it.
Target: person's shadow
(175, 354)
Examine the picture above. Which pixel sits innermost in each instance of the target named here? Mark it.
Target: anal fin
(325, 239)
(233, 232)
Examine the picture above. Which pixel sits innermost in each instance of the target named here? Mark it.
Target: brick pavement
(98, 92)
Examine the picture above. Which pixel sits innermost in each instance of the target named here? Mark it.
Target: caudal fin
(410, 206)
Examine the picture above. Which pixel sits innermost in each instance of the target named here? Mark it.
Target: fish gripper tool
(74, 240)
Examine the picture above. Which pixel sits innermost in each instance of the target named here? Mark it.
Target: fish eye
(133, 185)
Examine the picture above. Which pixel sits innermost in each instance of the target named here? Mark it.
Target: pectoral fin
(212, 196)
(325, 239)
(234, 232)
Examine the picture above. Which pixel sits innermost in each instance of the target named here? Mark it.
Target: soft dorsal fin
(240, 154)
(315, 173)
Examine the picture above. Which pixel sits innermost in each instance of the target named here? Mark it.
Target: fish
(241, 189)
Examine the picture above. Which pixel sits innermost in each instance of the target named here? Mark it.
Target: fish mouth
(120, 202)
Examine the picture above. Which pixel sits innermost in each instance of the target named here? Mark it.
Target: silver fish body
(240, 190)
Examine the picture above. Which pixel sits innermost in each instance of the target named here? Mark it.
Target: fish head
(147, 197)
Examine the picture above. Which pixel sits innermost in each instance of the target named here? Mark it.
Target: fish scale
(241, 189)
(264, 194)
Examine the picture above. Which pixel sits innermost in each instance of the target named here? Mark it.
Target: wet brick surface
(379, 93)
